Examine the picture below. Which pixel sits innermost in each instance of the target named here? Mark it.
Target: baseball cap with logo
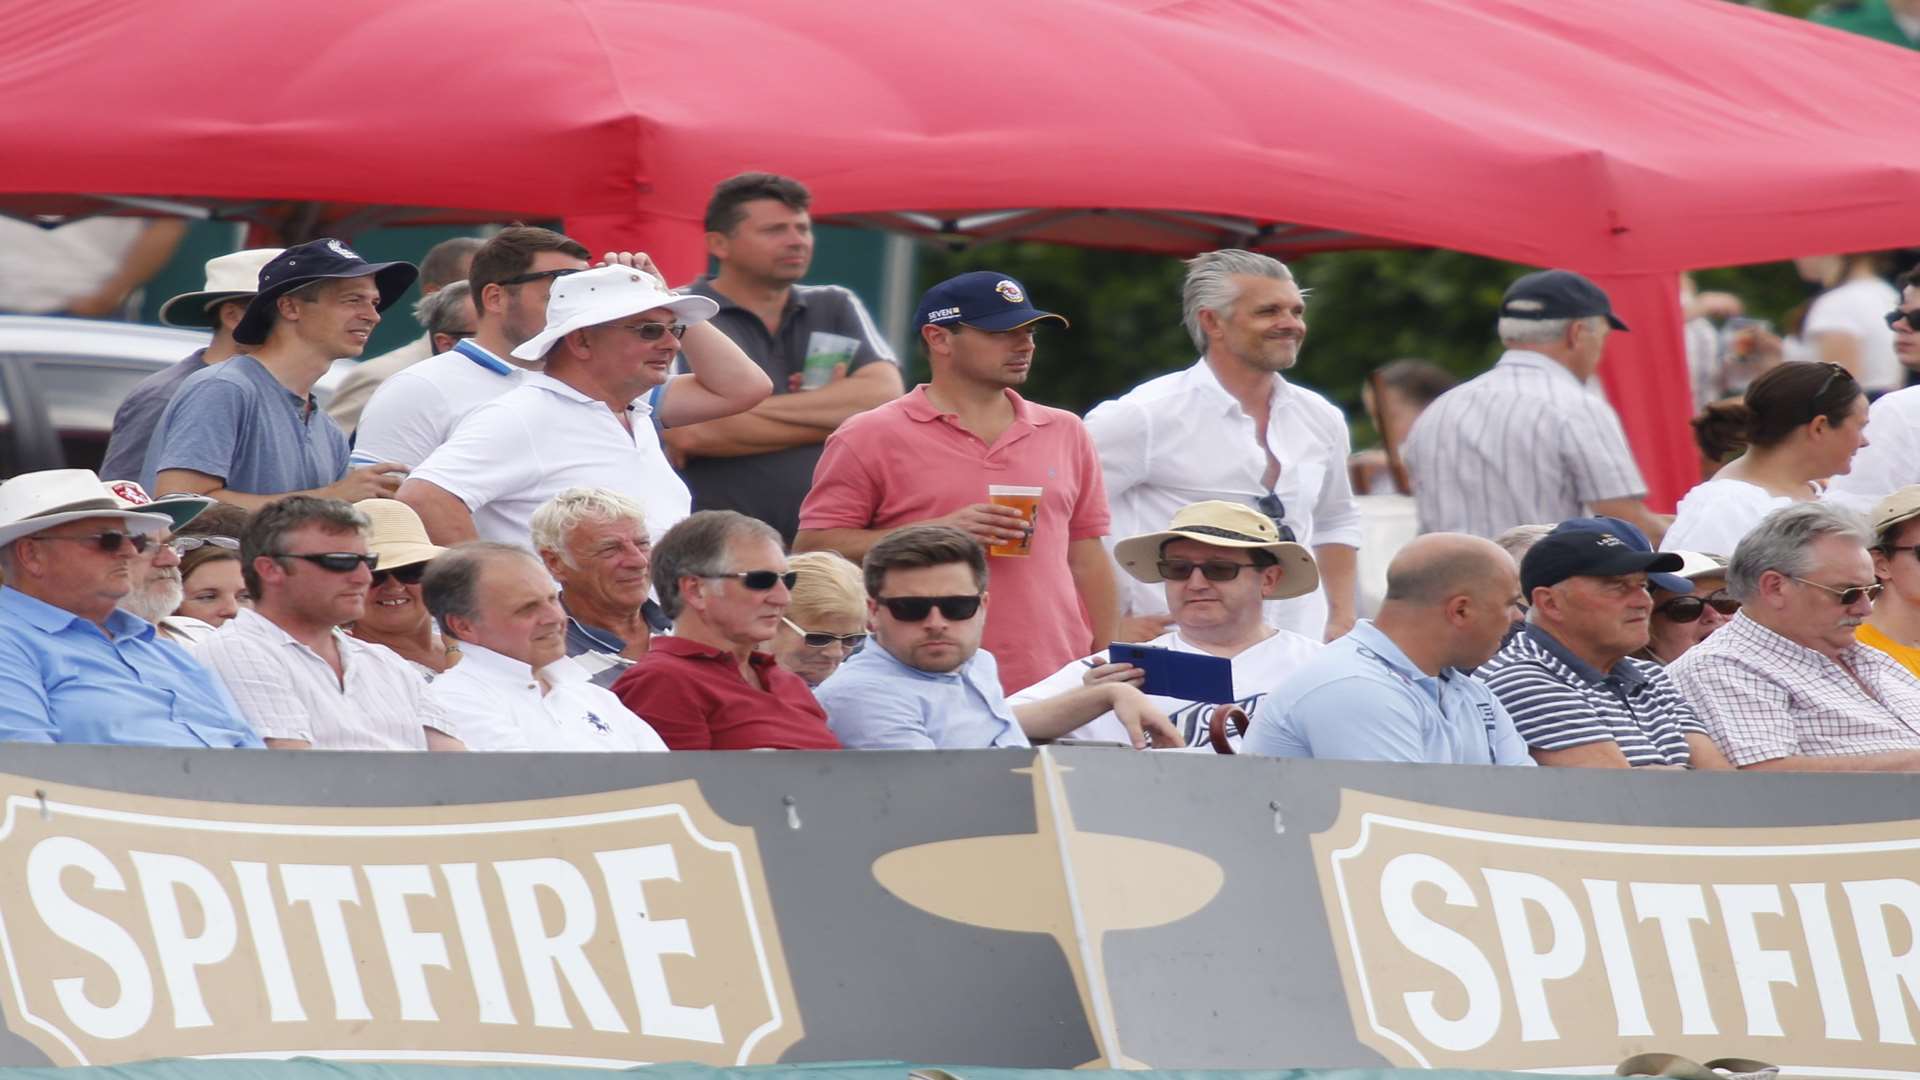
(316, 260)
(1587, 553)
(1635, 539)
(1557, 294)
(982, 299)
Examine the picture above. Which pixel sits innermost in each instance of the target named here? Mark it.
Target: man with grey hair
(441, 309)
(595, 544)
(1784, 685)
(1528, 441)
(1231, 426)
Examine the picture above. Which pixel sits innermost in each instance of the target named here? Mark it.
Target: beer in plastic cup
(1027, 501)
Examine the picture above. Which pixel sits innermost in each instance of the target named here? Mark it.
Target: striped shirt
(1559, 701)
(1765, 697)
(1524, 444)
(286, 691)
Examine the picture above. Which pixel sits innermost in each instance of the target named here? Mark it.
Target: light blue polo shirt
(1361, 699)
(875, 702)
(235, 421)
(63, 681)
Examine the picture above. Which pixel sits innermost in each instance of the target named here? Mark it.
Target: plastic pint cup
(1027, 501)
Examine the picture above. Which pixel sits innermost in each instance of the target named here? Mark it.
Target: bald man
(1396, 687)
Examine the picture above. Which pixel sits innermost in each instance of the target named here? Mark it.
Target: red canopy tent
(1626, 138)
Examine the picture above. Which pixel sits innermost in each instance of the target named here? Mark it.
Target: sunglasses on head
(1181, 570)
(183, 544)
(654, 331)
(537, 275)
(1897, 316)
(109, 542)
(409, 574)
(1686, 609)
(917, 608)
(340, 562)
(761, 580)
(817, 639)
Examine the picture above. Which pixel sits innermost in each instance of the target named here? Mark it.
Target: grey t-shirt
(134, 421)
(238, 423)
(823, 319)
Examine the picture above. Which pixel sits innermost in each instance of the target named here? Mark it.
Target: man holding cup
(966, 450)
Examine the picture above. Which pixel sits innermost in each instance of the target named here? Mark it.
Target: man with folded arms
(1398, 687)
(1784, 685)
(924, 682)
(73, 667)
(515, 688)
(300, 681)
(1219, 562)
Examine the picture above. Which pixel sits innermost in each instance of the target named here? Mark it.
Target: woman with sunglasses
(826, 622)
(396, 614)
(1802, 423)
(1682, 620)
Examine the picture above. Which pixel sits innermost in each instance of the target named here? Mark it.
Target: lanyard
(482, 357)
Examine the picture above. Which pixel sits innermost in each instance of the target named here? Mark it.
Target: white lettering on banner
(132, 998)
(1470, 940)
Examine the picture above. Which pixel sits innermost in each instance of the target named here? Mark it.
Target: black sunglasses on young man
(1895, 317)
(340, 562)
(917, 608)
(1686, 609)
(536, 275)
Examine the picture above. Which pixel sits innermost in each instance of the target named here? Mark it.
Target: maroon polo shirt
(693, 695)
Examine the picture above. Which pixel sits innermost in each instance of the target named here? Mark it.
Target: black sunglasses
(109, 542)
(654, 331)
(409, 574)
(340, 562)
(1896, 316)
(1686, 609)
(1181, 570)
(917, 608)
(761, 580)
(536, 275)
(819, 639)
(183, 544)
(1270, 505)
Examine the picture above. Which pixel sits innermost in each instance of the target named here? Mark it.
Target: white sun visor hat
(603, 294)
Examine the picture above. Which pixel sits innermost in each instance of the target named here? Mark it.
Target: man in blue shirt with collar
(924, 683)
(1397, 688)
(73, 668)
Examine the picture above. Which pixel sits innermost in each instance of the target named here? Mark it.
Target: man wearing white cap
(231, 282)
(587, 419)
(73, 667)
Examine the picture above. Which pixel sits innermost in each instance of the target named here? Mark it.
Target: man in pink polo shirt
(929, 458)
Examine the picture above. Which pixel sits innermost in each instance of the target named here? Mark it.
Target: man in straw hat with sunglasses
(587, 419)
(74, 668)
(1785, 685)
(1217, 563)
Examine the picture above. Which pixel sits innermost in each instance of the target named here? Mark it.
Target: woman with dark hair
(1802, 423)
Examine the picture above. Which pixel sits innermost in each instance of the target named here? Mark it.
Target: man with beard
(1232, 427)
(157, 586)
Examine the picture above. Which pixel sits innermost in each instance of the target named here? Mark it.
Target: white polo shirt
(417, 408)
(502, 706)
(522, 448)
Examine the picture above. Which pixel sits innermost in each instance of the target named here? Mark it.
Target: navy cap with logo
(1587, 553)
(316, 260)
(982, 299)
(1557, 294)
(1635, 539)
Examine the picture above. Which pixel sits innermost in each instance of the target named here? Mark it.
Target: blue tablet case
(1187, 676)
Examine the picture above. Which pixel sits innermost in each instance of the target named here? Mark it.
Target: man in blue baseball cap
(249, 431)
(966, 450)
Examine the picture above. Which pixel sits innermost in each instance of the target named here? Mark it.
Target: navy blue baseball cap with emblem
(1587, 553)
(982, 299)
(316, 260)
(1637, 540)
(1557, 294)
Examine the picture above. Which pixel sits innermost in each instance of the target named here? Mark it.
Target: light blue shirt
(236, 422)
(63, 681)
(875, 702)
(1361, 699)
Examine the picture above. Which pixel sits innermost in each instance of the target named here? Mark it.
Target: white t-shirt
(44, 270)
(1860, 308)
(1256, 670)
(417, 408)
(1714, 516)
(501, 707)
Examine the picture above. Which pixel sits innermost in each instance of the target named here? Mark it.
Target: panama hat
(37, 501)
(603, 294)
(396, 534)
(1222, 524)
(233, 276)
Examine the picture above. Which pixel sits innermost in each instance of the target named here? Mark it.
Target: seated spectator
(301, 681)
(1683, 619)
(1398, 687)
(445, 311)
(1219, 562)
(515, 689)
(1803, 423)
(73, 667)
(723, 579)
(1894, 626)
(157, 580)
(1567, 678)
(925, 682)
(212, 590)
(396, 615)
(595, 544)
(1405, 388)
(827, 620)
(1785, 685)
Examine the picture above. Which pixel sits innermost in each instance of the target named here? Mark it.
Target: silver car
(62, 379)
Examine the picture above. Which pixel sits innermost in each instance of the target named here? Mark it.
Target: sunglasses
(109, 542)
(340, 562)
(409, 574)
(538, 275)
(917, 608)
(1181, 570)
(1270, 505)
(183, 544)
(1897, 316)
(654, 331)
(816, 639)
(1848, 596)
(1686, 609)
(761, 580)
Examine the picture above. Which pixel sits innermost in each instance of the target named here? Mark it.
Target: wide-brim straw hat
(1228, 525)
